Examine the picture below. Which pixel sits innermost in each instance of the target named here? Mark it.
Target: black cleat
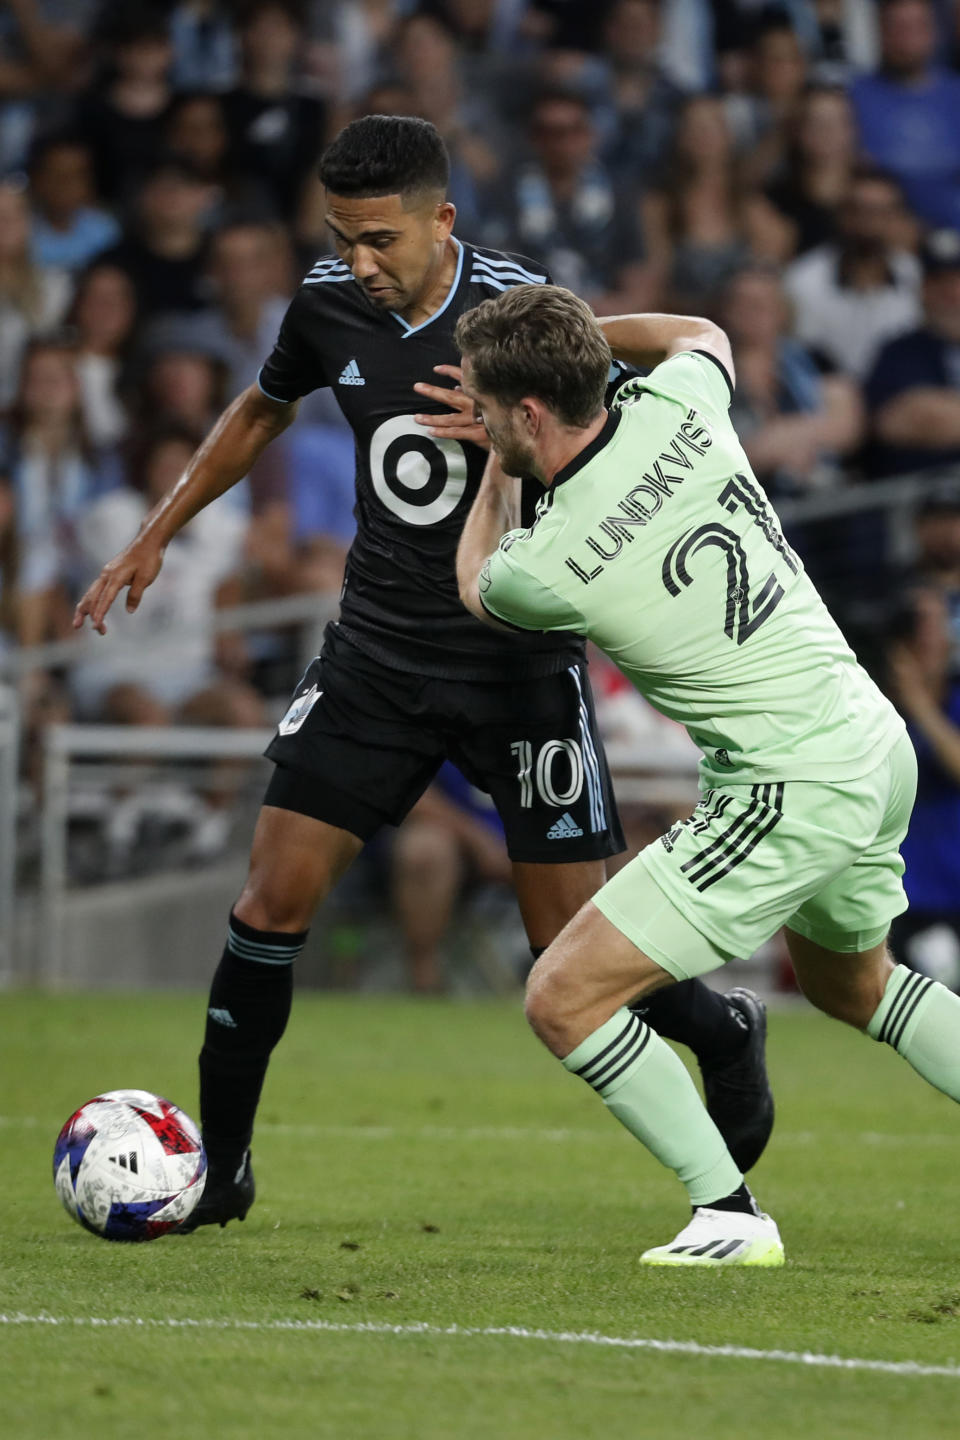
(737, 1091)
(227, 1195)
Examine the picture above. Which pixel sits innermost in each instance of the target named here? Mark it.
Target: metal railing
(654, 773)
(311, 612)
(9, 780)
(638, 771)
(65, 744)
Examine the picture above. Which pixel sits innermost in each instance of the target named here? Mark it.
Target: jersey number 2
(745, 611)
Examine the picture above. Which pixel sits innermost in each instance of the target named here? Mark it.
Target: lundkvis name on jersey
(643, 501)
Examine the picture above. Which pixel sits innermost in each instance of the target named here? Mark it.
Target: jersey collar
(409, 330)
(598, 443)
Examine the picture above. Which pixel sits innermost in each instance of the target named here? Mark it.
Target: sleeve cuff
(708, 355)
(520, 629)
(264, 391)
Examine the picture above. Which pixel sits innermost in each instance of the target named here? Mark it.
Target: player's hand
(136, 567)
(460, 423)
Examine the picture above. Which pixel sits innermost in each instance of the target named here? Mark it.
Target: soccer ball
(128, 1165)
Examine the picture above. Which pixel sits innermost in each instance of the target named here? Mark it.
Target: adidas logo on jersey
(566, 828)
(350, 374)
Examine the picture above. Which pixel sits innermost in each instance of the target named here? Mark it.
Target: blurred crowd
(791, 169)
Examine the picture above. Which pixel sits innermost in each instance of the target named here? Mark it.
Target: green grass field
(427, 1164)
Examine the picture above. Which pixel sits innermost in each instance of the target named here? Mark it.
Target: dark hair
(149, 440)
(182, 98)
(560, 95)
(385, 155)
(538, 340)
(250, 10)
(864, 173)
(55, 140)
(62, 342)
(131, 22)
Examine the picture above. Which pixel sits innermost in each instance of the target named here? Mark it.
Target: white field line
(528, 1133)
(811, 1360)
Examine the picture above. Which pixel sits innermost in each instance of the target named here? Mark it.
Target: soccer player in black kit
(406, 677)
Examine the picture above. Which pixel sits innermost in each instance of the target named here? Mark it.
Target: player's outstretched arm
(495, 510)
(649, 339)
(240, 435)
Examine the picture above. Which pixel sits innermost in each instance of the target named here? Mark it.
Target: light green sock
(920, 1018)
(645, 1085)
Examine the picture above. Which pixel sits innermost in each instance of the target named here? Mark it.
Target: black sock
(740, 1201)
(249, 1007)
(694, 1015)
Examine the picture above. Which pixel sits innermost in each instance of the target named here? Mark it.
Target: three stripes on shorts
(740, 838)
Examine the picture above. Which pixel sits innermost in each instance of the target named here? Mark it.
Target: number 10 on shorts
(536, 770)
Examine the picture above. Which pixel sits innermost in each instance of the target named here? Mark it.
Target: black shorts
(361, 742)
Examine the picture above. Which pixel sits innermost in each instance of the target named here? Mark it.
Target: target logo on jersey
(129, 1165)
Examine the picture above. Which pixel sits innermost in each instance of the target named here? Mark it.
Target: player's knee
(271, 908)
(552, 1007)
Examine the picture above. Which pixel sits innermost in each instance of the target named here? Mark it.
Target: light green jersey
(658, 543)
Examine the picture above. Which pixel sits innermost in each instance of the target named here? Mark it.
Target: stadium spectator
(122, 116)
(165, 253)
(277, 132)
(47, 455)
(104, 315)
(38, 53)
(763, 116)
(845, 38)
(69, 227)
(196, 132)
(928, 695)
(909, 112)
(322, 495)
(452, 837)
(32, 300)
(428, 65)
(352, 46)
(701, 226)
(245, 268)
(8, 567)
(182, 382)
(795, 423)
(936, 564)
(204, 46)
(820, 161)
(912, 390)
(852, 296)
(563, 208)
(165, 656)
(639, 118)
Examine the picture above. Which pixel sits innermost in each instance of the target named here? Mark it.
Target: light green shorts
(822, 859)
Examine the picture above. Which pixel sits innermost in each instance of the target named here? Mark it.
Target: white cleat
(721, 1237)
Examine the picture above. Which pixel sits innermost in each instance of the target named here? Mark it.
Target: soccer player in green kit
(654, 539)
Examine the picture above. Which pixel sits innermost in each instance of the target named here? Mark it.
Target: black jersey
(400, 602)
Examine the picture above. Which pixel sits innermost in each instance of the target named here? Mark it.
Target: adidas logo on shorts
(350, 374)
(566, 828)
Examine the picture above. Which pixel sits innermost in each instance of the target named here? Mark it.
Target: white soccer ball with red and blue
(128, 1165)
